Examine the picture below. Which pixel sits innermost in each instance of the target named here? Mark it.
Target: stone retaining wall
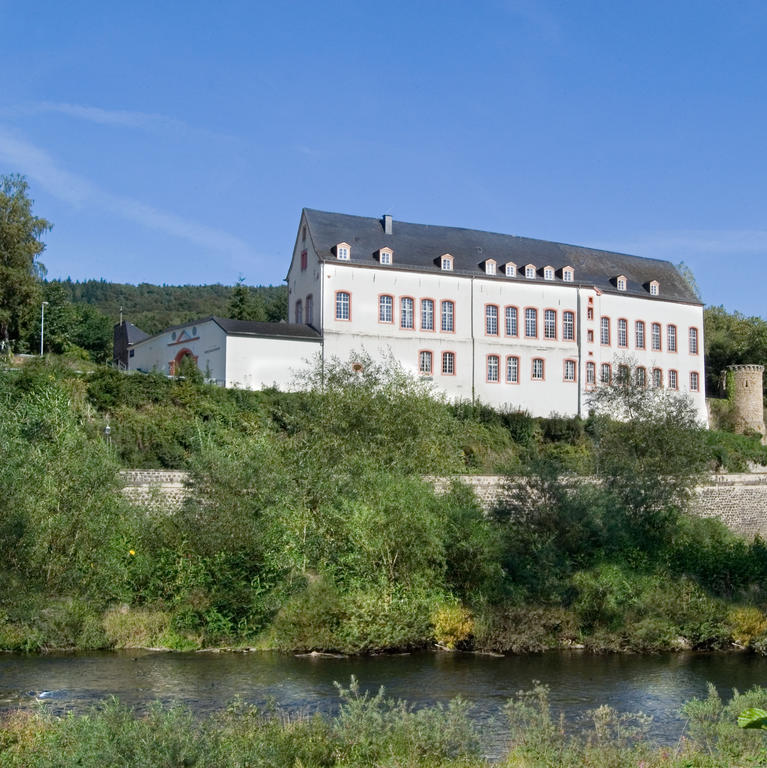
(155, 489)
(739, 500)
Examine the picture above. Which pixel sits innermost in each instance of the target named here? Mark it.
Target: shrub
(127, 627)
(386, 617)
(309, 620)
(748, 624)
(453, 624)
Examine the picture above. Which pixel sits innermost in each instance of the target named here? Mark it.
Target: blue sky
(178, 142)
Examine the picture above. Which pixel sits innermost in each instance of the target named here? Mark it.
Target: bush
(748, 624)
(453, 625)
(127, 627)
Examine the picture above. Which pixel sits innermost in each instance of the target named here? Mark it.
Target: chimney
(387, 224)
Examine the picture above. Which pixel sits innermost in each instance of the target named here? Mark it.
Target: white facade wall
(256, 362)
(665, 313)
(205, 341)
(472, 345)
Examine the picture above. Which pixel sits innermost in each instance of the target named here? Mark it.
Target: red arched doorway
(182, 353)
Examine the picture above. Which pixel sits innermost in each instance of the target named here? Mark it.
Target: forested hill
(154, 307)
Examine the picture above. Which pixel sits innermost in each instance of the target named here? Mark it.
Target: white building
(232, 353)
(512, 321)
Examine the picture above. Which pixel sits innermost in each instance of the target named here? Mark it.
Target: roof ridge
(492, 232)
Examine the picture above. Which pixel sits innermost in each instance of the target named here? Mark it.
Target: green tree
(650, 449)
(731, 339)
(20, 247)
(245, 304)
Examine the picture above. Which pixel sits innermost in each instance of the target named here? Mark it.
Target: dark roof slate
(244, 328)
(255, 328)
(134, 334)
(419, 246)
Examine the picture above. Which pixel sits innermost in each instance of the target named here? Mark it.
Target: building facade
(230, 353)
(511, 321)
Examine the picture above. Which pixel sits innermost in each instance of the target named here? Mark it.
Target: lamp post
(42, 325)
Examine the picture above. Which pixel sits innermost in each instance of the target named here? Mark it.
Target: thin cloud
(123, 118)
(78, 191)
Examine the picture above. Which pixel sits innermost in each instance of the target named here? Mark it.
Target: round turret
(744, 390)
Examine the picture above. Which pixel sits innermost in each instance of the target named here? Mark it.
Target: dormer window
(489, 266)
(548, 273)
(530, 271)
(620, 281)
(511, 269)
(446, 262)
(568, 274)
(654, 288)
(343, 251)
(385, 256)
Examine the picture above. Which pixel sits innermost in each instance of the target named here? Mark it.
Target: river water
(655, 685)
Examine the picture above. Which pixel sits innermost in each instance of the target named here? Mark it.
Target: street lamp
(42, 325)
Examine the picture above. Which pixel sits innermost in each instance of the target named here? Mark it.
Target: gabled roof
(245, 328)
(419, 247)
(134, 334)
(256, 328)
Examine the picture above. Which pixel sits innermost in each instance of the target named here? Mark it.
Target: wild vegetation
(376, 731)
(311, 525)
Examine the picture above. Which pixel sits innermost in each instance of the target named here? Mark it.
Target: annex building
(512, 321)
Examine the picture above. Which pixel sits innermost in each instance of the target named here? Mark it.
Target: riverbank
(371, 729)
(685, 620)
(310, 526)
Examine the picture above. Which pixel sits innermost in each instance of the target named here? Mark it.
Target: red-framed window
(549, 324)
(493, 369)
(385, 308)
(343, 305)
(568, 326)
(512, 369)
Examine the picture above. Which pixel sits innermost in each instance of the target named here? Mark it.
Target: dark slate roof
(419, 246)
(134, 334)
(255, 328)
(247, 328)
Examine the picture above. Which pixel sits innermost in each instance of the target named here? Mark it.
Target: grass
(373, 730)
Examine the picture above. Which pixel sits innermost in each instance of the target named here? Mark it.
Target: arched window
(671, 339)
(549, 324)
(493, 364)
(447, 311)
(604, 331)
(694, 341)
(512, 325)
(407, 313)
(385, 309)
(639, 334)
(655, 337)
(568, 326)
(512, 369)
(343, 305)
(491, 319)
(531, 323)
(623, 332)
(427, 315)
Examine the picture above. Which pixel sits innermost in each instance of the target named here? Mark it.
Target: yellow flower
(131, 551)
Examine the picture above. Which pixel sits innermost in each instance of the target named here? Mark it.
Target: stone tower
(744, 389)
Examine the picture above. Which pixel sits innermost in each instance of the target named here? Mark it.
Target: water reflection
(656, 685)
